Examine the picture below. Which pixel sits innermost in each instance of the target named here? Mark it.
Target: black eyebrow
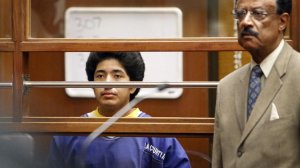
(99, 71)
(114, 71)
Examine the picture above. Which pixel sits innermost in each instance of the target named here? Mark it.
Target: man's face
(264, 25)
(111, 99)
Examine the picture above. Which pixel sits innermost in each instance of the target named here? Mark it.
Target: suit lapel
(272, 85)
(241, 97)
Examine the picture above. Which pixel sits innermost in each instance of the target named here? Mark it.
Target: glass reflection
(199, 18)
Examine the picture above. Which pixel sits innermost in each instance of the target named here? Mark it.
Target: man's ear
(284, 21)
(132, 90)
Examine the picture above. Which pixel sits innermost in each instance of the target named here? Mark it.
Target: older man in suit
(258, 105)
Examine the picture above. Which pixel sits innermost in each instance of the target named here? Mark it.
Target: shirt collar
(267, 64)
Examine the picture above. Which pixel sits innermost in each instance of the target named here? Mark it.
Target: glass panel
(5, 19)
(193, 18)
(48, 18)
(33, 151)
(6, 67)
(51, 66)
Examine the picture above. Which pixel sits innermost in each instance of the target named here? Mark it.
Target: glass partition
(107, 19)
(188, 67)
(193, 18)
(55, 102)
(6, 64)
(70, 66)
(26, 150)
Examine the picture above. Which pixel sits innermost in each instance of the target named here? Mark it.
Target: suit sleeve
(217, 150)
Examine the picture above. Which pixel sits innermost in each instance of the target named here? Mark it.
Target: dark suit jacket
(264, 141)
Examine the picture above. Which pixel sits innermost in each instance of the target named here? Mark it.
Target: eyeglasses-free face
(110, 100)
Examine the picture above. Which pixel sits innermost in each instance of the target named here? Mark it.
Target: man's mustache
(249, 32)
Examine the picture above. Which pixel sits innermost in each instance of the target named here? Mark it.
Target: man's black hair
(284, 6)
(132, 62)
